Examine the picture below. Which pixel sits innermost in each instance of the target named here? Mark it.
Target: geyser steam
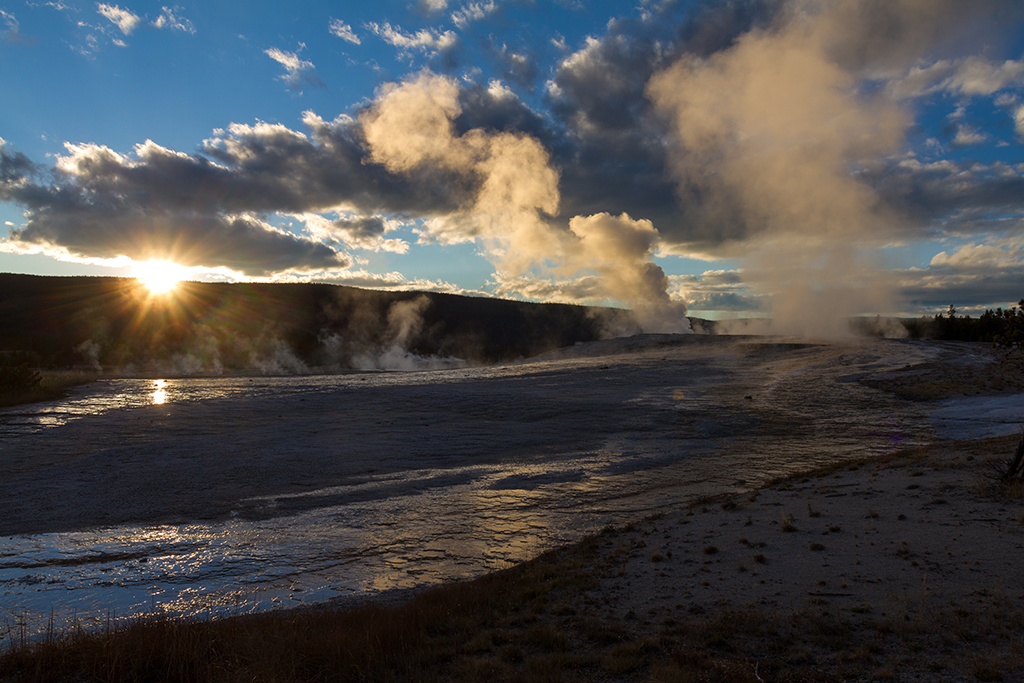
(770, 134)
(410, 129)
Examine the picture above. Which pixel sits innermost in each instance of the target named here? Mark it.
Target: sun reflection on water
(159, 392)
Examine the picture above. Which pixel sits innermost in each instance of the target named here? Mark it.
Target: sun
(160, 277)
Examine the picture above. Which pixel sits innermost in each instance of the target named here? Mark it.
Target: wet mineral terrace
(214, 496)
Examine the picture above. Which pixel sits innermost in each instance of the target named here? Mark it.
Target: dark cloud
(15, 169)
(355, 231)
(518, 66)
(961, 198)
(100, 206)
(882, 34)
(610, 150)
(938, 287)
(714, 26)
(361, 227)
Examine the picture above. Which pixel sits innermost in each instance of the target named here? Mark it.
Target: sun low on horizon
(160, 277)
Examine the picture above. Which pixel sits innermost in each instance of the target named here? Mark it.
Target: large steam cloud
(411, 129)
(771, 136)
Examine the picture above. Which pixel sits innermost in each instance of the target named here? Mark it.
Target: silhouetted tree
(1011, 334)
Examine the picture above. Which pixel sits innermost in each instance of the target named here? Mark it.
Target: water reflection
(159, 392)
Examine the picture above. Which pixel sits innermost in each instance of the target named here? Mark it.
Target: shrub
(17, 378)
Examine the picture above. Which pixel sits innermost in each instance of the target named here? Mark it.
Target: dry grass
(488, 629)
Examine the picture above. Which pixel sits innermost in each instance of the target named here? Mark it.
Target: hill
(214, 328)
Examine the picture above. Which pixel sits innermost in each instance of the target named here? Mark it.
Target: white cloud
(343, 31)
(1005, 100)
(169, 18)
(12, 33)
(473, 11)
(1018, 117)
(124, 19)
(967, 135)
(966, 76)
(297, 71)
(426, 40)
(981, 258)
(433, 6)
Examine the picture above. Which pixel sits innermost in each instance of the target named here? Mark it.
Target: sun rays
(160, 277)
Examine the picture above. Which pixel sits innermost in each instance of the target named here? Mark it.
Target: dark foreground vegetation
(115, 323)
(20, 383)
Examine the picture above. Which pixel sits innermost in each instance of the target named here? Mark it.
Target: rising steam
(770, 135)
(410, 129)
(768, 132)
(404, 323)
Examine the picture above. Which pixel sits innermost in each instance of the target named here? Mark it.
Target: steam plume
(770, 135)
(515, 196)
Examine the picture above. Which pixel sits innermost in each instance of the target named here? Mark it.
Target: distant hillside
(206, 328)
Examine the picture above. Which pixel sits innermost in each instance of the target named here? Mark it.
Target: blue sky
(746, 158)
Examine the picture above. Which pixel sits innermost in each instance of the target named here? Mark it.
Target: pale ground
(922, 545)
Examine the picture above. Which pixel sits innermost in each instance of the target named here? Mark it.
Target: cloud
(520, 67)
(762, 129)
(1018, 118)
(170, 18)
(12, 32)
(297, 71)
(432, 6)
(972, 276)
(122, 18)
(966, 76)
(98, 206)
(473, 11)
(343, 31)
(356, 231)
(717, 291)
(425, 40)
(964, 198)
(981, 257)
(966, 135)
(610, 149)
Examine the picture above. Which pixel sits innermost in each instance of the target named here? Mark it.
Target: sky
(794, 159)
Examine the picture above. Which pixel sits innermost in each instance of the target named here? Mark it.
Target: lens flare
(160, 277)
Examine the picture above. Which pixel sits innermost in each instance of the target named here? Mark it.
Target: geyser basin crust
(640, 401)
(306, 488)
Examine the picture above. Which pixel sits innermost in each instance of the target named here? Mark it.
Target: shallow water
(222, 496)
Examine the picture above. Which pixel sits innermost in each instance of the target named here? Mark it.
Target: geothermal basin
(218, 496)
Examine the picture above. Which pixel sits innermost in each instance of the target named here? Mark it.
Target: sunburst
(160, 277)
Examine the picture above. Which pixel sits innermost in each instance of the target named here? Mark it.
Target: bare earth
(908, 568)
